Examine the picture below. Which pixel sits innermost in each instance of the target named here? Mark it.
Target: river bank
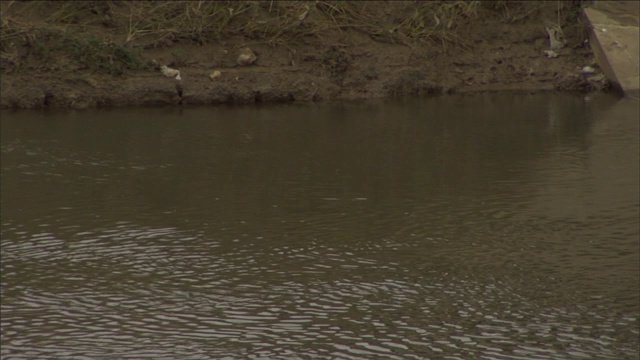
(107, 54)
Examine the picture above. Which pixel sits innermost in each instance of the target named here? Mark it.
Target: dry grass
(120, 27)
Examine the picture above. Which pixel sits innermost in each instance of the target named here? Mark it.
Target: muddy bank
(487, 53)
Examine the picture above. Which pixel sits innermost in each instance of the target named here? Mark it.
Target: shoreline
(245, 87)
(84, 93)
(347, 64)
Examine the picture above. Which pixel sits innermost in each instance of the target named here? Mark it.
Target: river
(489, 226)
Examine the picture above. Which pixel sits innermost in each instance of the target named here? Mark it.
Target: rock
(246, 57)
(588, 70)
(215, 74)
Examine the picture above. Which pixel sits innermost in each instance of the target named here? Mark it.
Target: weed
(99, 55)
(514, 11)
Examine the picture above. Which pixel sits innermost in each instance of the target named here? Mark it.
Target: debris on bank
(246, 57)
(556, 37)
(550, 54)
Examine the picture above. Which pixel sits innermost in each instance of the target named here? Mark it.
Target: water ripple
(321, 239)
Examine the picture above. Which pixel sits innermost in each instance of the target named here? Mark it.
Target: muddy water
(488, 226)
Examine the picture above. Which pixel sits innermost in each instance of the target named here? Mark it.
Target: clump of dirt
(99, 54)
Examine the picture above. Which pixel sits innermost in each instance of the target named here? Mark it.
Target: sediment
(482, 52)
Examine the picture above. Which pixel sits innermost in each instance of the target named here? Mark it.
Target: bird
(174, 73)
(179, 85)
(169, 72)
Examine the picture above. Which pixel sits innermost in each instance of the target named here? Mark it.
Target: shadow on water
(500, 226)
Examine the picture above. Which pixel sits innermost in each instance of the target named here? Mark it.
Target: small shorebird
(179, 86)
(169, 72)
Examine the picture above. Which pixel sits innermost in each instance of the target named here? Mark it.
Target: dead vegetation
(108, 36)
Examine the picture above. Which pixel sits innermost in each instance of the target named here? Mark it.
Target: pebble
(246, 57)
(215, 74)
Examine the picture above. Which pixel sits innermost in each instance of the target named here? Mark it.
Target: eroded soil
(492, 56)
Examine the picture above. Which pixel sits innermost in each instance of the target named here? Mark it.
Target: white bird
(169, 72)
(173, 73)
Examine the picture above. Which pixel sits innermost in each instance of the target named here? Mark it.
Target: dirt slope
(490, 52)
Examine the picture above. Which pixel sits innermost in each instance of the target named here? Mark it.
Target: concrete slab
(615, 39)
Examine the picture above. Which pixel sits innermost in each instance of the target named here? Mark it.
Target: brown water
(464, 227)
